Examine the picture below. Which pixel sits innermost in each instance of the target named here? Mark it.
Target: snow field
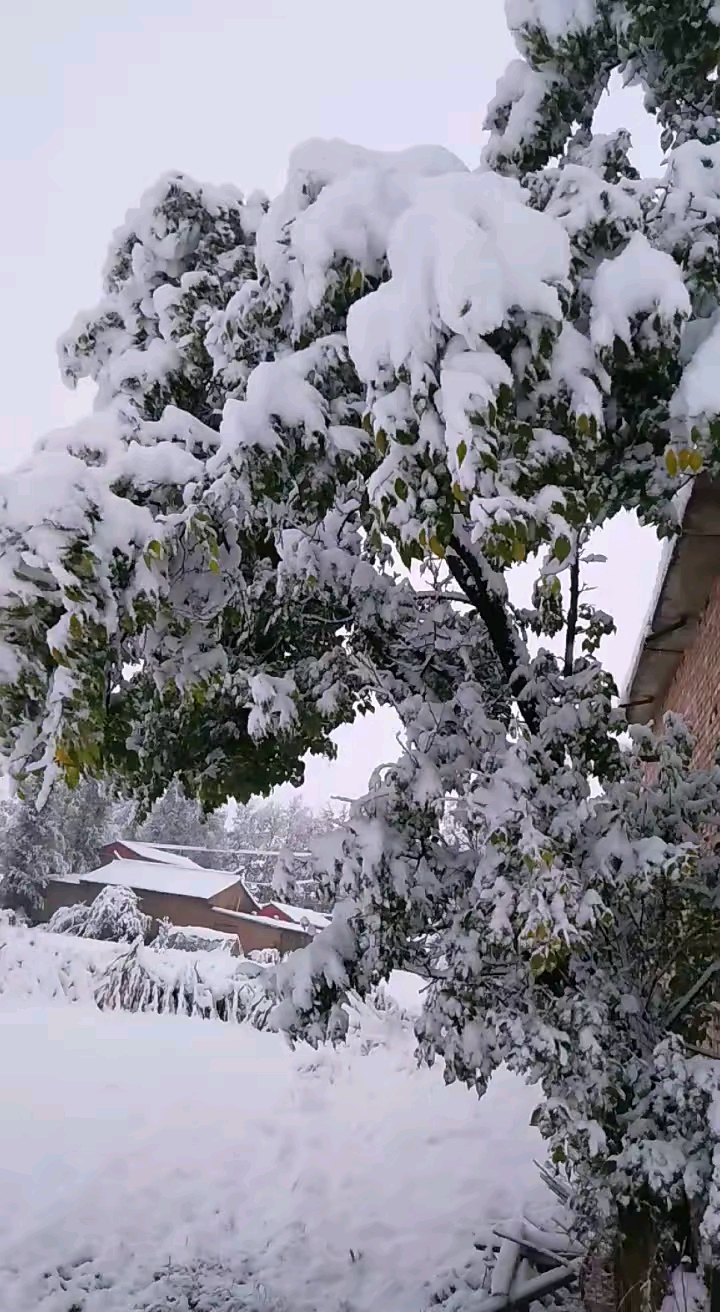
(132, 1145)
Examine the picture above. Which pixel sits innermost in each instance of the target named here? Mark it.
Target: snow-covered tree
(70, 920)
(113, 915)
(402, 361)
(88, 817)
(64, 836)
(286, 827)
(33, 850)
(178, 820)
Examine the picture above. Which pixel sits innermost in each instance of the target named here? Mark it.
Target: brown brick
(695, 690)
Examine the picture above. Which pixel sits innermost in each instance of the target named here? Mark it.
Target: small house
(172, 887)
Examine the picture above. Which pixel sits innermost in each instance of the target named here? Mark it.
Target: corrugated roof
(160, 877)
(261, 920)
(299, 914)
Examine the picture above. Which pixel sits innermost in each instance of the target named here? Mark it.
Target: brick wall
(695, 690)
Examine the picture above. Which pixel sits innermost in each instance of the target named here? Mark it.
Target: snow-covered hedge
(194, 938)
(38, 966)
(214, 986)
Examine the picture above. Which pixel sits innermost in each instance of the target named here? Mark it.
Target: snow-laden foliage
(32, 851)
(401, 360)
(114, 914)
(36, 966)
(215, 986)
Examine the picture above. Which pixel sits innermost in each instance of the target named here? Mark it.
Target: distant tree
(280, 827)
(87, 821)
(33, 850)
(274, 824)
(122, 822)
(178, 820)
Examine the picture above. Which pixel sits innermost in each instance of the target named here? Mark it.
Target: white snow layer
(461, 256)
(299, 914)
(139, 1151)
(153, 852)
(639, 280)
(161, 877)
(556, 17)
(699, 391)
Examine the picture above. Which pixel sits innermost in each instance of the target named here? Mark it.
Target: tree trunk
(639, 1267)
(628, 1268)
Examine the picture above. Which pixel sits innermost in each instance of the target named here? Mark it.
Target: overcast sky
(98, 97)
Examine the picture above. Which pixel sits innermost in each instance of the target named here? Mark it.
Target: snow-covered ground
(148, 1158)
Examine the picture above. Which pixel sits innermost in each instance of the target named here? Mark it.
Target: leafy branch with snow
(327, 426)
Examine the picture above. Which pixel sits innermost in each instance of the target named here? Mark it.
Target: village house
(175, 888)
(677, 662)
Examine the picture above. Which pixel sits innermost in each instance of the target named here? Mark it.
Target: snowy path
(347, 1180)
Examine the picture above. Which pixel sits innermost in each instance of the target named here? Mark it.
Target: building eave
(689, 567)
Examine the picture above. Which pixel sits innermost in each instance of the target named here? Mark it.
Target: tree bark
(468, 573)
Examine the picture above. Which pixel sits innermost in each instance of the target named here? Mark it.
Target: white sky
(98, 97)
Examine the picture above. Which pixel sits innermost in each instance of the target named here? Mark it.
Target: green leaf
(671, 462)
(75, 627)
(401, 489)
(461, 452)
(561, 547)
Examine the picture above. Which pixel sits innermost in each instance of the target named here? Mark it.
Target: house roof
(689, 566)
(161, 877)
(151, 852)
(298, 914)
(261, 920)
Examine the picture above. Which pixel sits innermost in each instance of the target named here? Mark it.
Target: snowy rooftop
(161, 877)
(151, 852)
(299, 914)
(688, 568)
(261, 920)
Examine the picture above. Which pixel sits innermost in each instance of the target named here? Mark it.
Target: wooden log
(539, 1287)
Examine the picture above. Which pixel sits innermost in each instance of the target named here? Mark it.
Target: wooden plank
(546, 1283)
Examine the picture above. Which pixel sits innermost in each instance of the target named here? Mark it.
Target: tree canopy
(327, 427)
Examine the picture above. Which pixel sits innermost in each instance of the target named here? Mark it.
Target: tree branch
(468, 573)
(572, 618)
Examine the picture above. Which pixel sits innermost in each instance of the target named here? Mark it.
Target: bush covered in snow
(114, 915)
(194, 938)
